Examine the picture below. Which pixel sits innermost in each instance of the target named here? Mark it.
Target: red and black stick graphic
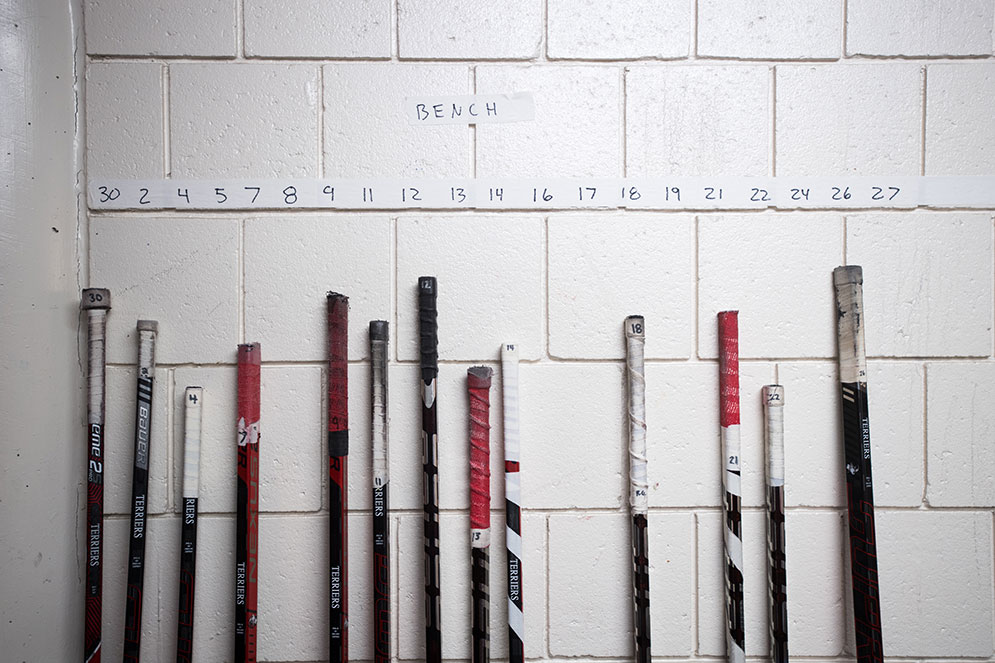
(848, 282)
(147, 330)
(247, 517)
(193, 400)
(429, 348)
(381, 502)
(478, 382)
(777, 579)
(96, 302)
(338, 455)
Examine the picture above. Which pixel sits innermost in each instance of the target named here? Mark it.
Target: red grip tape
(729, 368)
(338, 362)
(479, 384)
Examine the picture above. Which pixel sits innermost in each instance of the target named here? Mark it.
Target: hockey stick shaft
(379, 339)
(247, 503)
(733, 536)
(193, 403)
(848, 282)
(96, 302)
(512, 495)
(147, 330)
(429, 350)
(338, 456)
(478, 381)
(635, 338)
(777, 580)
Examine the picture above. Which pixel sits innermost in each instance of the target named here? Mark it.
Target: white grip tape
(848, 281)
(773, 396)
(509, 394)
(635, 339)
(96, 322)
(380, 415)
(192, 425)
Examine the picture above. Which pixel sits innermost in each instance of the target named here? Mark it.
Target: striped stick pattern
(429, 348)
(848, 282)
(247, 503)
(96, 302)
(777, 574)
(338, 457)
(379, 335)
(478, 381)
(194, 401)
(147, 330)
(733, 534)
(513, 496)
(635, 339)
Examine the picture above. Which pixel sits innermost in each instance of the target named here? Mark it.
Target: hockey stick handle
(96, 302)
(729, 368)
(338, 373)
(379, 339)
(428, 315)
(773, 401)
(848, 281)
(635, 341)
(192, 428)
(478, 380)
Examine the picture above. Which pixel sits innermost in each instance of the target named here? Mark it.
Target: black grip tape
(428, 327)
(338, 443)
(378, 330)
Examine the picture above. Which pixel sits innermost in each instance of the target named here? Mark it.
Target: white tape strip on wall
(664, 193)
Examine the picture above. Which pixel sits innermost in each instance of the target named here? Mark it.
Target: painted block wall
(302, 88)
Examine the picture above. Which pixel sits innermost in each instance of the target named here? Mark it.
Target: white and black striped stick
(733, 534)
(777, 574)
(513, 502)
(478, 382)
(193, 403)
(428, 331)
(147, 330)
(96, 302)
(379, 337)
(635, 339)
(848, 282)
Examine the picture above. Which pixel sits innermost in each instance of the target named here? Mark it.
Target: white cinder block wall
(623, 88)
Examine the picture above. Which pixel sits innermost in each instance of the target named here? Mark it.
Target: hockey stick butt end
(95, 298)
(848, 275)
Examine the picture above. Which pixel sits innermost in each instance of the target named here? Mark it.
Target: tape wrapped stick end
(95, 298)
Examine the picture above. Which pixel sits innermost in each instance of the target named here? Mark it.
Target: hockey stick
(193, 400)
(635, 338)
(379, 339)
(247, 503)
(478, 382)
(733, 535)
(429, 348)
(338, 458)
(96, 302)
(848, 282)
(147, 330)
(777, 581)
(513, 496)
